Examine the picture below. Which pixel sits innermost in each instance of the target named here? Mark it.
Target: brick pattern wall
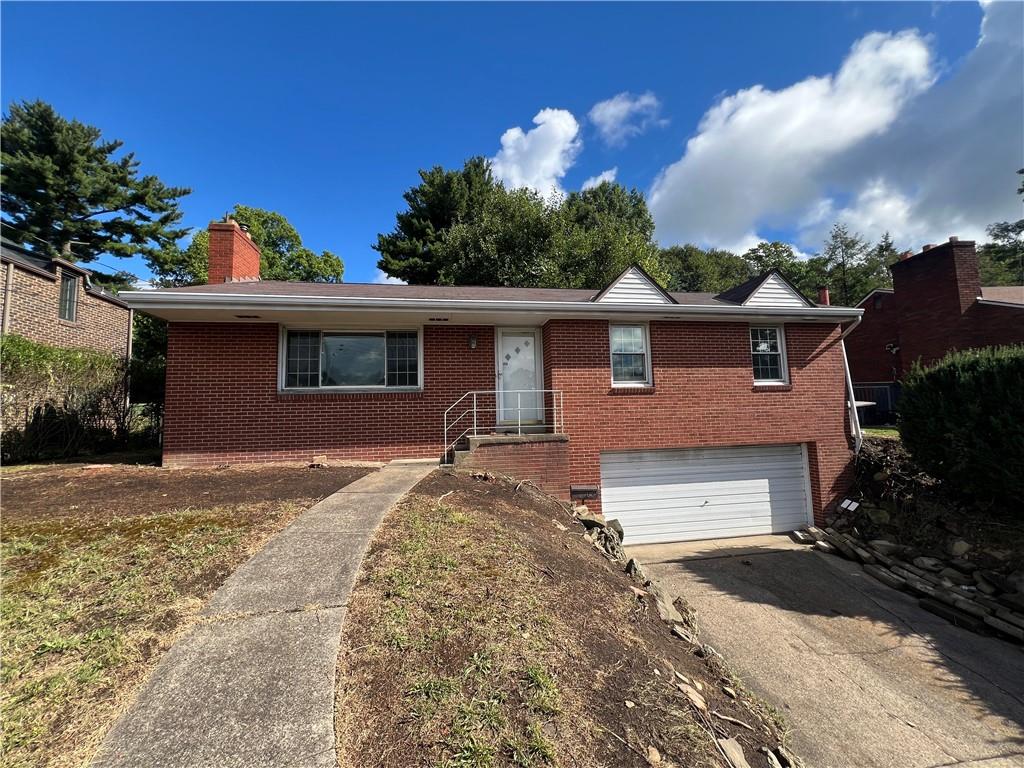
(865, 347)
(703, 395)
(546, 464)
(223, 404)
(233, 254)
(933, 310)
(35, 304)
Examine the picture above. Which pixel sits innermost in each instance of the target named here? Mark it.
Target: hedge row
(962, 420)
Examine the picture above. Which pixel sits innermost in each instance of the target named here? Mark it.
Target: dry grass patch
(92, 594)
(485, 631)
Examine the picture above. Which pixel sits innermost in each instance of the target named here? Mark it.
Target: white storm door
(519, 367)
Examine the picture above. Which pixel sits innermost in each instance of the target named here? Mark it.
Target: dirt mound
(485, 630)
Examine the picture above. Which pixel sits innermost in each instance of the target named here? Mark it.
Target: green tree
(1001, 261)
(710, 271)
(845, 254)
(441, 200)
(282, 254)
(506, 243)
(599, 232)
(65, 192)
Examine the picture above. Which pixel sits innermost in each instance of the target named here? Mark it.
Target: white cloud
(539, 158)
(626, 115)
(602, 177)
(759, 154)
(880, 145)
(383, 278)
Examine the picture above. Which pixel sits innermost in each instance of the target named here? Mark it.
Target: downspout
(858, 436)
(8, 290)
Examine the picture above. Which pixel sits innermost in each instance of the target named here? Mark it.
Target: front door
(520, 400)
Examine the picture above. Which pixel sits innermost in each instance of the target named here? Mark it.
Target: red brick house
(684, 415)
(936, 304)
(53, 302)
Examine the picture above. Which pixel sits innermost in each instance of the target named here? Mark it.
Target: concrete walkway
(253, 684)
(863, 674)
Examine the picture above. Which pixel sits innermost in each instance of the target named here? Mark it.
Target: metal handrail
(474, 408)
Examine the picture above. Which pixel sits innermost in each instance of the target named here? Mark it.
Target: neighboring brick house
(684, 415)
(52, 301)
(937, 304)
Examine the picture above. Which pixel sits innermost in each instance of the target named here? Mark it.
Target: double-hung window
(768, 355)
(352, 359)
(68, 297)
(631, 361)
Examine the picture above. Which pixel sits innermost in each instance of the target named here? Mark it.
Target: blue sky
(798, 113)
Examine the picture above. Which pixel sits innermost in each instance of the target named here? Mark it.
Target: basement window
(68, 297)
(352, 359)
(768, 355)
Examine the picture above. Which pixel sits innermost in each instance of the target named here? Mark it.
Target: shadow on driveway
(864, 675)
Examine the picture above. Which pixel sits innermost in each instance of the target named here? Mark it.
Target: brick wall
(544, 463)
(933, 310)
(703, 395)
(866, 346)
(233, 254)
(34, 313)
(223, 404)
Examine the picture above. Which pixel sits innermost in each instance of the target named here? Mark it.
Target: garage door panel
(684, 494)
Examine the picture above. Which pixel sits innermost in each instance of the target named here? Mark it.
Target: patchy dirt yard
(102, 567)
(485, 630)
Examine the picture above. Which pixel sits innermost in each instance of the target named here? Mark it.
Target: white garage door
(705, 493)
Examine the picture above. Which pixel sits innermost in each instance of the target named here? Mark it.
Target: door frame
(538, 357)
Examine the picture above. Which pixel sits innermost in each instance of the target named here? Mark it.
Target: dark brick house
(52, 301)
(685, 415)
(936, 304)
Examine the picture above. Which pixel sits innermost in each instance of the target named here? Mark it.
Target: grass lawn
(484, 630)
(888, 432)
(102, 567)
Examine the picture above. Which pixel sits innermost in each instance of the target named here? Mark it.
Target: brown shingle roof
(1014, 294)
(436, 292)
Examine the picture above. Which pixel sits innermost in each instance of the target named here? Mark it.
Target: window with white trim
(631, 363)
(339, 359)
(768, 355)
(68, 297)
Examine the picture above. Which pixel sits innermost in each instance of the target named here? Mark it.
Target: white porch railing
(489, 411)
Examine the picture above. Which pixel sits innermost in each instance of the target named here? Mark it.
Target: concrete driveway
(863, 675)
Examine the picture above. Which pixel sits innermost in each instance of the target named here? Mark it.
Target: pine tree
(65, 192)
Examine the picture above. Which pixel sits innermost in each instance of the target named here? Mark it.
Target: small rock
(653, 755)
(815, 533)
(929, 563)
(885, 547)
(964, 566)
(667, 611)
(877, 515)
(730, 692)
(657, 672)
(559, 526)
(694, 696)
(629, 704)
(318, 462)
(824, 546)
(955, 576)
(591, 522)
(733, 753)
(698, 685)
(958, 548)
(682, 678)
(634, 569)
(616, 526)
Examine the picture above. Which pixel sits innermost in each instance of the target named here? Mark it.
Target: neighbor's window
(352, 359)
(68, 296)
(630, 363)
(768, 355)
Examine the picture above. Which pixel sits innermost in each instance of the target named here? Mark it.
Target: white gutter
(156, 300)
(858, 436)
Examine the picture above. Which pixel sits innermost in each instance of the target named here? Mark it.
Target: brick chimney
(823, 298)
(234, 257)
(935, 288)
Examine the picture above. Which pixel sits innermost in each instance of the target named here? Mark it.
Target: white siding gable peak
(775, 292)
(633, 287)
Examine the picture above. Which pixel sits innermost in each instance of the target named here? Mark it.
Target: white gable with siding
(775, 292)
(633, 287)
